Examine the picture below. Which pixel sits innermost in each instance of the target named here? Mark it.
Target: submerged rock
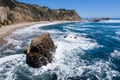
(95, 20)
(39, 53)
(65, 36)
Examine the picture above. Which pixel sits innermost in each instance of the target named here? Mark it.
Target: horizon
(85, 8)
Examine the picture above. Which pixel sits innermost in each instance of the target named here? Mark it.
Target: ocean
(90, 51)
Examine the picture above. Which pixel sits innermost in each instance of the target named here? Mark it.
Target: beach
(6, 30)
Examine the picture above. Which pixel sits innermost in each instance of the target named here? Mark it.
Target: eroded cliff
(12, 11)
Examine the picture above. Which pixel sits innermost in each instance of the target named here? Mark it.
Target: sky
(85, 8)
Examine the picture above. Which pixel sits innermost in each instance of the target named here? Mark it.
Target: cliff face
(12, 12)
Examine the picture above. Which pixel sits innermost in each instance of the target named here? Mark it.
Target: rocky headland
(12, 12)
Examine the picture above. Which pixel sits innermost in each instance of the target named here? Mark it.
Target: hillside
(12, 11)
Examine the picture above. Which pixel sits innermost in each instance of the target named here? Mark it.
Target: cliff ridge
(12, 11)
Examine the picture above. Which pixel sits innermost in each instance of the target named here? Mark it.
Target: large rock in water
(39, 53)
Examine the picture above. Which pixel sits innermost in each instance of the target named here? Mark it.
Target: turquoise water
(91, 51)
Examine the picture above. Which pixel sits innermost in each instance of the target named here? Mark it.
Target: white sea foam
(116, 38)
(12, 45)
(83, 29)
(52, 31)
(31, 30)
(66, 62)
(68, 66)
(110, 21)
(71, 25)
(66, 59)
(10, 58)
(114, 59)
(115, 54)
(83, 43)
(9, 64)
(100, 68)
(9, 50)
(118, 32)
(27, 30)
(76, 28)
(114, 27)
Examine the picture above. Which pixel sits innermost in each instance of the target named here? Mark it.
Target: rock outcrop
(3, 16)
(39, 53)
(16, 12)
(98, 19)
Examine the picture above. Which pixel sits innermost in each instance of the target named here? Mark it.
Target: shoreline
(7, 30)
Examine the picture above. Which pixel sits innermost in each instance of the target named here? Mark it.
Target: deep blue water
(91, 51)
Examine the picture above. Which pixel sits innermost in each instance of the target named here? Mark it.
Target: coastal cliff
(12, 11)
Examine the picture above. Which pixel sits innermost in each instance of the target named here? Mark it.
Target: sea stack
(40, 51)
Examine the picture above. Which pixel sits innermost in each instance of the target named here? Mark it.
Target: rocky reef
(39, 53)
(98, 19)
(12, 11)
